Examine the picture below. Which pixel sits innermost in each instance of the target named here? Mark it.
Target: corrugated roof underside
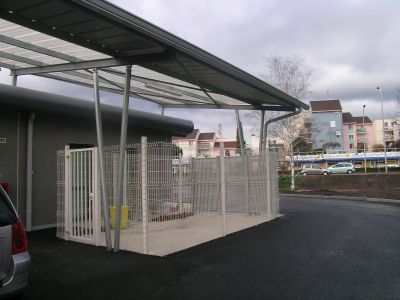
(75, 31)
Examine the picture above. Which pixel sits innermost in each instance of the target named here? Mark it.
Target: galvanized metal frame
(124, 128)
(100, 63)
(99, 131)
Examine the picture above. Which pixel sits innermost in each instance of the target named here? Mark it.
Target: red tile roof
(359, 120)
(227, 145)
(325, 105)
(348, 118)
(190, 136)
(206, 136)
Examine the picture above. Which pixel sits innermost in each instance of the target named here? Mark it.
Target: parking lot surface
(320, 249)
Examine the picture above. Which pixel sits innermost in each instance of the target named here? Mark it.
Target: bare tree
(291, 75)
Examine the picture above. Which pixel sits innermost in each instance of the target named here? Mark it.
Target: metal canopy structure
(64, 39)
(94, 43)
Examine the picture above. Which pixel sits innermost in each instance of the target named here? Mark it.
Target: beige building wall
(391, 132)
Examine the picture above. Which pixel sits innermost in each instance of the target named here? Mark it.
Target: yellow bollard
(124, 216)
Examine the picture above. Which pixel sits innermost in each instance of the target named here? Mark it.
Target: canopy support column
(99, 131)
(261, 140)
(14, 80)
(239, 128)
(122, 146)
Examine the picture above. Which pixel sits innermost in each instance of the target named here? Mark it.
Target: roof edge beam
(235, 107)
(100, 63)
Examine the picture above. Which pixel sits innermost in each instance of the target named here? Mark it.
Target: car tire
(349, 171)
(304, 174)
(325, 173)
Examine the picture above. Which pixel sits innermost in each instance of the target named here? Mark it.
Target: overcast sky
(352, 45)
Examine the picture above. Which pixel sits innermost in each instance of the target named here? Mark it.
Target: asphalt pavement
(320, 249)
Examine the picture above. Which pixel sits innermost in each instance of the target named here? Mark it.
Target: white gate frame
(94, 198)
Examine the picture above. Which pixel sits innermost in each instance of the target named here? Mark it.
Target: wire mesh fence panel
(171, 202)
(131, 214)
(274, 184)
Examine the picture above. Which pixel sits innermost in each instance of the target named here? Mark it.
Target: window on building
(351, 146)
(350, 126)
(338, 114)
(351, 136)
(333, 124)
(190, 143)
(338, 133)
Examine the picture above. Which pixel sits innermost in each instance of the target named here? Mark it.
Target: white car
(314, 169)
(342, 168)
(14, 256)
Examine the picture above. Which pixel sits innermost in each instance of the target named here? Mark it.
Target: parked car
(14, 256)
(313, 169)
(342, 168)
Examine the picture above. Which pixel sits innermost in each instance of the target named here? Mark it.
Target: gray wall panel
(50, 133)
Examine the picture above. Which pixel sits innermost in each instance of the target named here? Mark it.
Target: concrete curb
(378, 200)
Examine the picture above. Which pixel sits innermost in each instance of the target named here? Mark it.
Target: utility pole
(383, 128)
(365, 137)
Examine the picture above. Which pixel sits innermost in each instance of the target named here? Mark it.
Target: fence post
(247, 183)
(222, 172)
(180, 188)
(67, 193)
(144, 193)
(95, 196)
(268, 170)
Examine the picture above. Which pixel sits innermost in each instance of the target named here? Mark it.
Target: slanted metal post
(180, 186)
(261, 140)
(239, 127)
(144, 194)
(162, 110)
(223, 200)
(122, 146)
(99, 131)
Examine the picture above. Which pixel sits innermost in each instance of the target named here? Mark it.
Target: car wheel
(325, 173)
(304, 174)
(349, 171)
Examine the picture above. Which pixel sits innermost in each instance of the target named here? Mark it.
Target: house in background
(354, 132)
(276, 143)
(188, 143)
(364, 132)
(229, 147)
(349, 132)
(391, 132)
(327, 124)
(206, 144)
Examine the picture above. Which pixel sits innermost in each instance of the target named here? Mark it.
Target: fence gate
(82, 207)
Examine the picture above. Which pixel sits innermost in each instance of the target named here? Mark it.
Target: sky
(351, 45)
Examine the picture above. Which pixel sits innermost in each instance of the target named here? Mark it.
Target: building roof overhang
(66, 39)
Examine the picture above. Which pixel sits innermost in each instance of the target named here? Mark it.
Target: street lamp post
(383, 127)
(365, 135)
